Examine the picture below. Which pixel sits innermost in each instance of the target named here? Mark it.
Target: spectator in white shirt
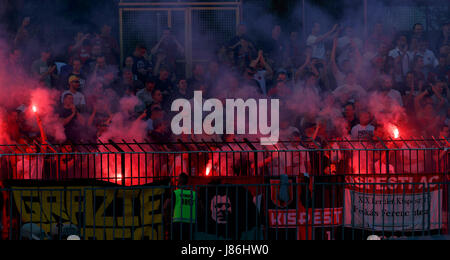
(347, 44)
(364, 130)
(317, 41)
(429, 59)
(78, 98)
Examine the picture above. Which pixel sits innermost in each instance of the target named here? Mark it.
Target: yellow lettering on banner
(119, 233)
(106, 213)
(104, 201)
(28, 204)
(150, 205)
(150, 233)
(74, 204)
(128, 207)
(53, 203)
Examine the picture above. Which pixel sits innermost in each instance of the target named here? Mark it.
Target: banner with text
(99, 213)
(394, 202)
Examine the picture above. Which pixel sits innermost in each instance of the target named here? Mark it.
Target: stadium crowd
(332, 84)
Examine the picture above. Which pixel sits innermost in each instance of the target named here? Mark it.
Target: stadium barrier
(131, 164)
(284, 208)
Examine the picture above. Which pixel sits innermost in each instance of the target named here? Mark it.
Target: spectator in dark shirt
(141, 66)
(163, 82)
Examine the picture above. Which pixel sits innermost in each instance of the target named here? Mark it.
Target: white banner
(394, 206)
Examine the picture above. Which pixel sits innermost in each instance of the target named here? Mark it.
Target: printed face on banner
(221, 209)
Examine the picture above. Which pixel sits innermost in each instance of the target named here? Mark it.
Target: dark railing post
(122, 161)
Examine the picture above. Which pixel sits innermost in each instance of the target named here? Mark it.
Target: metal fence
(280, 210)
(139, 163)
(193, 23)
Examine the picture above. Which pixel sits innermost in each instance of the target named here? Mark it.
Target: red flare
(208, 169)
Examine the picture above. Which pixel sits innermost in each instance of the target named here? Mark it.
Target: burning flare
(208, 168)
(34, 109)
(395, 132)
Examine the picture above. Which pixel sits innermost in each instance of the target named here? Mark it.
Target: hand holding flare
(41, 128)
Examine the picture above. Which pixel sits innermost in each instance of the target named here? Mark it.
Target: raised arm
(334, 67)
(303, 67)
(41, 130)
(325, 36)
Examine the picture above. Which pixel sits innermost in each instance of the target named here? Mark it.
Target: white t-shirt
(429, 59)
(318, 48)
(396, 96)
(78, 98)
(344, 50)
(360, 132)
(395, 53)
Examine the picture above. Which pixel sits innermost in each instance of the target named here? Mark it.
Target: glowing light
(208, 169)
(396, 133)
(34, 109)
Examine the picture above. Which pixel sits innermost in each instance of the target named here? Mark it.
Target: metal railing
(138, 163)
(284, 209)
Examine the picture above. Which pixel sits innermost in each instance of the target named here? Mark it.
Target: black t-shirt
(72, 128)
(141, 63)
(166, 87)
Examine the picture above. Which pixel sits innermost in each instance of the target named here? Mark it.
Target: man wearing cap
(74, 69)
(78, 98)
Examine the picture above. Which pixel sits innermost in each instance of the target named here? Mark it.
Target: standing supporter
(155, 114)
(364, 130)
(145, 94)
(184, 210)
(72, 120)
(317, 41)
(142, 67)
(78, 99)
(181, 92)
(347, 44)
(293, 53)
(387, 85)
(276, 46)
(43, 70)
(235, 43)
(429, 59)
(197, 79)
(129, 83)
(169, 48)
(82, 47)
(163, 83)
(350, 116)
(444, 38)
(128, 64)
(245, 53)
(263, 73)
(74, 69)
(418, 32)
(109, 45)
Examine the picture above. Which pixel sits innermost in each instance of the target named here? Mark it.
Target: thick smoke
(300, 102)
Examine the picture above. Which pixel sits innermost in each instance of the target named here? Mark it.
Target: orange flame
(34, 109)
